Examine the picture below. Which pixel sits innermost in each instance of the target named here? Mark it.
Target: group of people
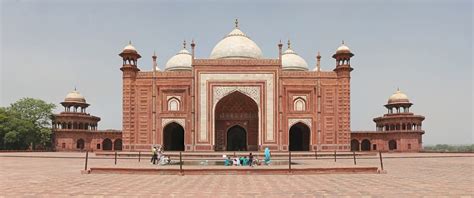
(158, 156)
(249, 160)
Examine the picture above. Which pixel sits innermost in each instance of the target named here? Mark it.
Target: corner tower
(130, 70)
(343, 70)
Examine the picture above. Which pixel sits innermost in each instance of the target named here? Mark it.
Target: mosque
(237, 100)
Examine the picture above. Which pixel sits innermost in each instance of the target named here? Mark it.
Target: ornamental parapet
(237, 62)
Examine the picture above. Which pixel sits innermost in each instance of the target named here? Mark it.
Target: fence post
(180, 164)
(139, 155)
(87, 157)
(115, 157)
(381, 162)
(289, 160)
(334, 155)
(354, 154)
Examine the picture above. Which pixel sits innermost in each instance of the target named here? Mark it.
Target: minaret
(130, 70)
(343, 71)
(153, 99)
(318, 63)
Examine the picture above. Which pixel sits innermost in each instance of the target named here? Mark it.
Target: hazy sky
(422, 47)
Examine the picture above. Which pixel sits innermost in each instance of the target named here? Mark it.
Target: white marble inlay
(204, 78)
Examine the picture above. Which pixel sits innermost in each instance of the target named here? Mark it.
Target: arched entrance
(392, 145)
(80, 144)
(299, 137)
(118, 144)
(236, 139)
(365, 145)
(173, 137)
(232, 112)
(107, 144)
(355, 145)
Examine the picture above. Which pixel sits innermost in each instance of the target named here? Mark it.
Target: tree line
(26, 124)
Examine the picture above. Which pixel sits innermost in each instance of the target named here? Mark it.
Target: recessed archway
(236, 139)
(355, 145)
(299, 137)
(236, 109)
(107, 144)
(365, 146)
(392, 145)
(173, 137)
(118, 144)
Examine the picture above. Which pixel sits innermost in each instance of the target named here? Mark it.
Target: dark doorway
(365, 145)
(236, 139)
(80, 144)
(173, 137)
(355, 145)
(118, 144)
(299, 137)
(107, 144)
(392, 145)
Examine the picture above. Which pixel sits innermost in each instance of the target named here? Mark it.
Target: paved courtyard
(408, 175)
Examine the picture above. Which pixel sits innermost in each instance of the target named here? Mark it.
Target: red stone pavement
(408, 175)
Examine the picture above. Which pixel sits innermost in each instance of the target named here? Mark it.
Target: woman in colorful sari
(267, 156)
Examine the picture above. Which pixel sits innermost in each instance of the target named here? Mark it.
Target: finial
(236, 23)
(154, 53)
(289, 44)
(192, 41)
(184, 44)
(75, 88)
(280, 41)
(130, 42)
(319, 55)
(343, 42)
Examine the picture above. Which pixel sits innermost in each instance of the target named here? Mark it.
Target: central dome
(236, 45)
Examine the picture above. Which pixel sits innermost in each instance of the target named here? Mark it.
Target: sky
(422, 47)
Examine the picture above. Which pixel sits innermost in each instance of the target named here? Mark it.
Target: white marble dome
(130, 48)
(236, 45)
(290, 60)
(181, 61)
(343, 49)
(75, 96)
(398, 97)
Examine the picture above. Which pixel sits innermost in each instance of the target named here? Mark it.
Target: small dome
(343, 49)
(181, 61)
(129, 48)
(236, 45)
(75, 96)
(398, 97)
(290, 60)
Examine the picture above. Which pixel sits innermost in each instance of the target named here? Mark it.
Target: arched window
(173, 104)
(299, 105)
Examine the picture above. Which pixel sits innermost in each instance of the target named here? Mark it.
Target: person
(267, 156)
(246, 161)
(154, 155)
(250, 162)
(227, 161)
(241, 160)
(236, 161)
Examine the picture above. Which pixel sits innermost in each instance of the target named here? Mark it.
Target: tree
(26, 123)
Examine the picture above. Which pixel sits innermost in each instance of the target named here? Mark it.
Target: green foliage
(449, 148)
(25, 123)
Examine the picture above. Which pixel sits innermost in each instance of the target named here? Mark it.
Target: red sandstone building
(398, 130)
(236, 100)
(75, 130)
